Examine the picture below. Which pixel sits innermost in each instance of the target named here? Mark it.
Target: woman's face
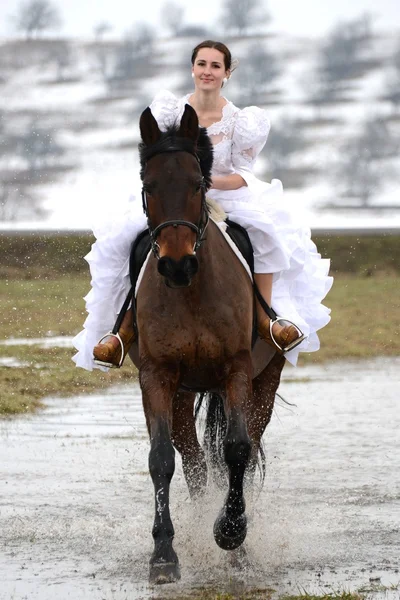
(209, 69)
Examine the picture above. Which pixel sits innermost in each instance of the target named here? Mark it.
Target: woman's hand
(227, 182)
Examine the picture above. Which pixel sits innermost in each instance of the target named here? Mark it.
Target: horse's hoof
(164, 573)
(230, 533)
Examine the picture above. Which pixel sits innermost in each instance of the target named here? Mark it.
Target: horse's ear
(189, 127)
(149, 129)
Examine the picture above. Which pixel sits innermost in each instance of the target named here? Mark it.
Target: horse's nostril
(179, 272)
(164, 266)
(191, 265)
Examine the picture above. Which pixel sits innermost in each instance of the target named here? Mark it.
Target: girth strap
(122, 312)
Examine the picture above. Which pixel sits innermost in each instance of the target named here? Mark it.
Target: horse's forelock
(171, 141)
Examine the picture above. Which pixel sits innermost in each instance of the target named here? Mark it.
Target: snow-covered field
(99, 129)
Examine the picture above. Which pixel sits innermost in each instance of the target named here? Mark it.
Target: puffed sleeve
(165, 109)
(249, 136)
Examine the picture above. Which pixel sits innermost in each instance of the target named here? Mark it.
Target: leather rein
(198, 228)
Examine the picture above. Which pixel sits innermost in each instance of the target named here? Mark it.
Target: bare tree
(258, 71)
(39, 148)
(393, 83)
(40, 151)
(61, 55)
(100, 29)
(18, 204)
(133, 53)
(241, 16)
(103, 54)
(36, 16)
(284, 142)
(172, 14)
(339, 59)
(364, 164)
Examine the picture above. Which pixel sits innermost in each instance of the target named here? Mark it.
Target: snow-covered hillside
(95, 125)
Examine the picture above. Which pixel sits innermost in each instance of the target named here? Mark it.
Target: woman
(289, 272)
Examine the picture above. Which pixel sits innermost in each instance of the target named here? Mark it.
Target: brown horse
(194, 317)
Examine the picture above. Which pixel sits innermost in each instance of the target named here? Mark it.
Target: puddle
(76, 500)
(61, 341)
(11, 361)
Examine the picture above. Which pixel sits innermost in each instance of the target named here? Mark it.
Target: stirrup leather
(295, 342)
(121, 360)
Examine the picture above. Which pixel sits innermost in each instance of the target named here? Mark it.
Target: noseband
(199, 229)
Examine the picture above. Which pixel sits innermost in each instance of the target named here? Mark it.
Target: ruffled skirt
(282, 246)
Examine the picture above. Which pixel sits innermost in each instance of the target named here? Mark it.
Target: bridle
(199, 229)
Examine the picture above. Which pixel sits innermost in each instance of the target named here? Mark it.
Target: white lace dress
(282, 245)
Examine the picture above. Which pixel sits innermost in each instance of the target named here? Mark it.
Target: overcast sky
(300, 17)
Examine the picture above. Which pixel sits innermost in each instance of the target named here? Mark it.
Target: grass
(265, 594)
(40, 308)
(48, 372)
(270, 594)
(28, 254)
(365, 319)
(332, 596)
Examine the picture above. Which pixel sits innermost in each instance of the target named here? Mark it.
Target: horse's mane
(171, 141)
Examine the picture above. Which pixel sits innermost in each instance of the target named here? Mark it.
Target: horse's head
(176, 173)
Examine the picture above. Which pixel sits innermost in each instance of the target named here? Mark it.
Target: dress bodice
(238, 137)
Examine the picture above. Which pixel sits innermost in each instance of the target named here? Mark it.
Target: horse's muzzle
(178, 273)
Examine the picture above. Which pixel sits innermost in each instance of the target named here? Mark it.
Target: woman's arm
(228, 182)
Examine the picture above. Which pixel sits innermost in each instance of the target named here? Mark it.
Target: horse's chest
(190, 347)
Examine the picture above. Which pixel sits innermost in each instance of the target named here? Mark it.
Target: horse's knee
(237, 451)
(162, 453)
(162, 462)
(237, 443)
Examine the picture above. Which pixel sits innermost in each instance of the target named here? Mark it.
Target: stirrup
(103, 363)
(295, 342)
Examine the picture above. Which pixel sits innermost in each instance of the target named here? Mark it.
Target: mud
(76, 502)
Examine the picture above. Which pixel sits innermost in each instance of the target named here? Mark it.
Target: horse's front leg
(230, 527)
(159, 386)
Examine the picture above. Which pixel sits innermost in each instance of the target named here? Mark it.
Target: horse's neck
(218, 265)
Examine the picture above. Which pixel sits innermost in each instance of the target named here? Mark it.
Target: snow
(100, 133)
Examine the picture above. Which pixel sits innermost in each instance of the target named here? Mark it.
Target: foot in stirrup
(282, 337)
(113, 347)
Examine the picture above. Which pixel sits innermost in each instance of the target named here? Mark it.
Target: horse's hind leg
(260, 406)
(158, 389)
(184, 438)
(230, 527)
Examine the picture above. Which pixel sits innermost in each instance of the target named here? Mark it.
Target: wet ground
(76, 503)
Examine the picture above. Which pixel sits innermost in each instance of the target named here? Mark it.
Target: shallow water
(76, 504)
(60, 341)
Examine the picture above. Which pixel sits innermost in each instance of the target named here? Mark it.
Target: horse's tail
(214, 434)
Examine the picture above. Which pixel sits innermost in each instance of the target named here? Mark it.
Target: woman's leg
(284, 335)
(264, 284)
(109, 351)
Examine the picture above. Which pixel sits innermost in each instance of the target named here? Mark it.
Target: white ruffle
(283, 246)
(251, 130)
(165, 108)
(109, 267)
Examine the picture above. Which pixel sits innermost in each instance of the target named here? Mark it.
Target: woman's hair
(218, 46)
